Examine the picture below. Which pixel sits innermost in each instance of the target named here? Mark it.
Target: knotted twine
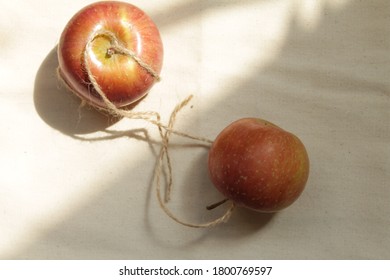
(165, 131)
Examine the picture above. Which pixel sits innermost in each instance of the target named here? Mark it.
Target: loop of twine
(118, 48)
(152, 117)
(158, 172)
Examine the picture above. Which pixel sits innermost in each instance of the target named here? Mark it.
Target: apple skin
(121, 78)
(258, 165)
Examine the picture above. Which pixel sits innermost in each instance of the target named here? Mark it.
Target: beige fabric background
(317, 68)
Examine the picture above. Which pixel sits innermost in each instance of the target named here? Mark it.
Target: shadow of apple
(59, 107)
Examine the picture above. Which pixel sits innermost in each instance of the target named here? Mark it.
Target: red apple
(120, 77)
(258, 165)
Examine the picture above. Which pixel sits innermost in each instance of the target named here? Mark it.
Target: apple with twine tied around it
(113, 47)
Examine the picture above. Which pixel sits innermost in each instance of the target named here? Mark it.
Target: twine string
(117, 47)
(164, 153)
(152, 117)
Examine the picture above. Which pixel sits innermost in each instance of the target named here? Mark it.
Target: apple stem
(215, 205)
(110, 52)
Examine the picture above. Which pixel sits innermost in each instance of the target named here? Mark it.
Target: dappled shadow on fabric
(101, 229)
